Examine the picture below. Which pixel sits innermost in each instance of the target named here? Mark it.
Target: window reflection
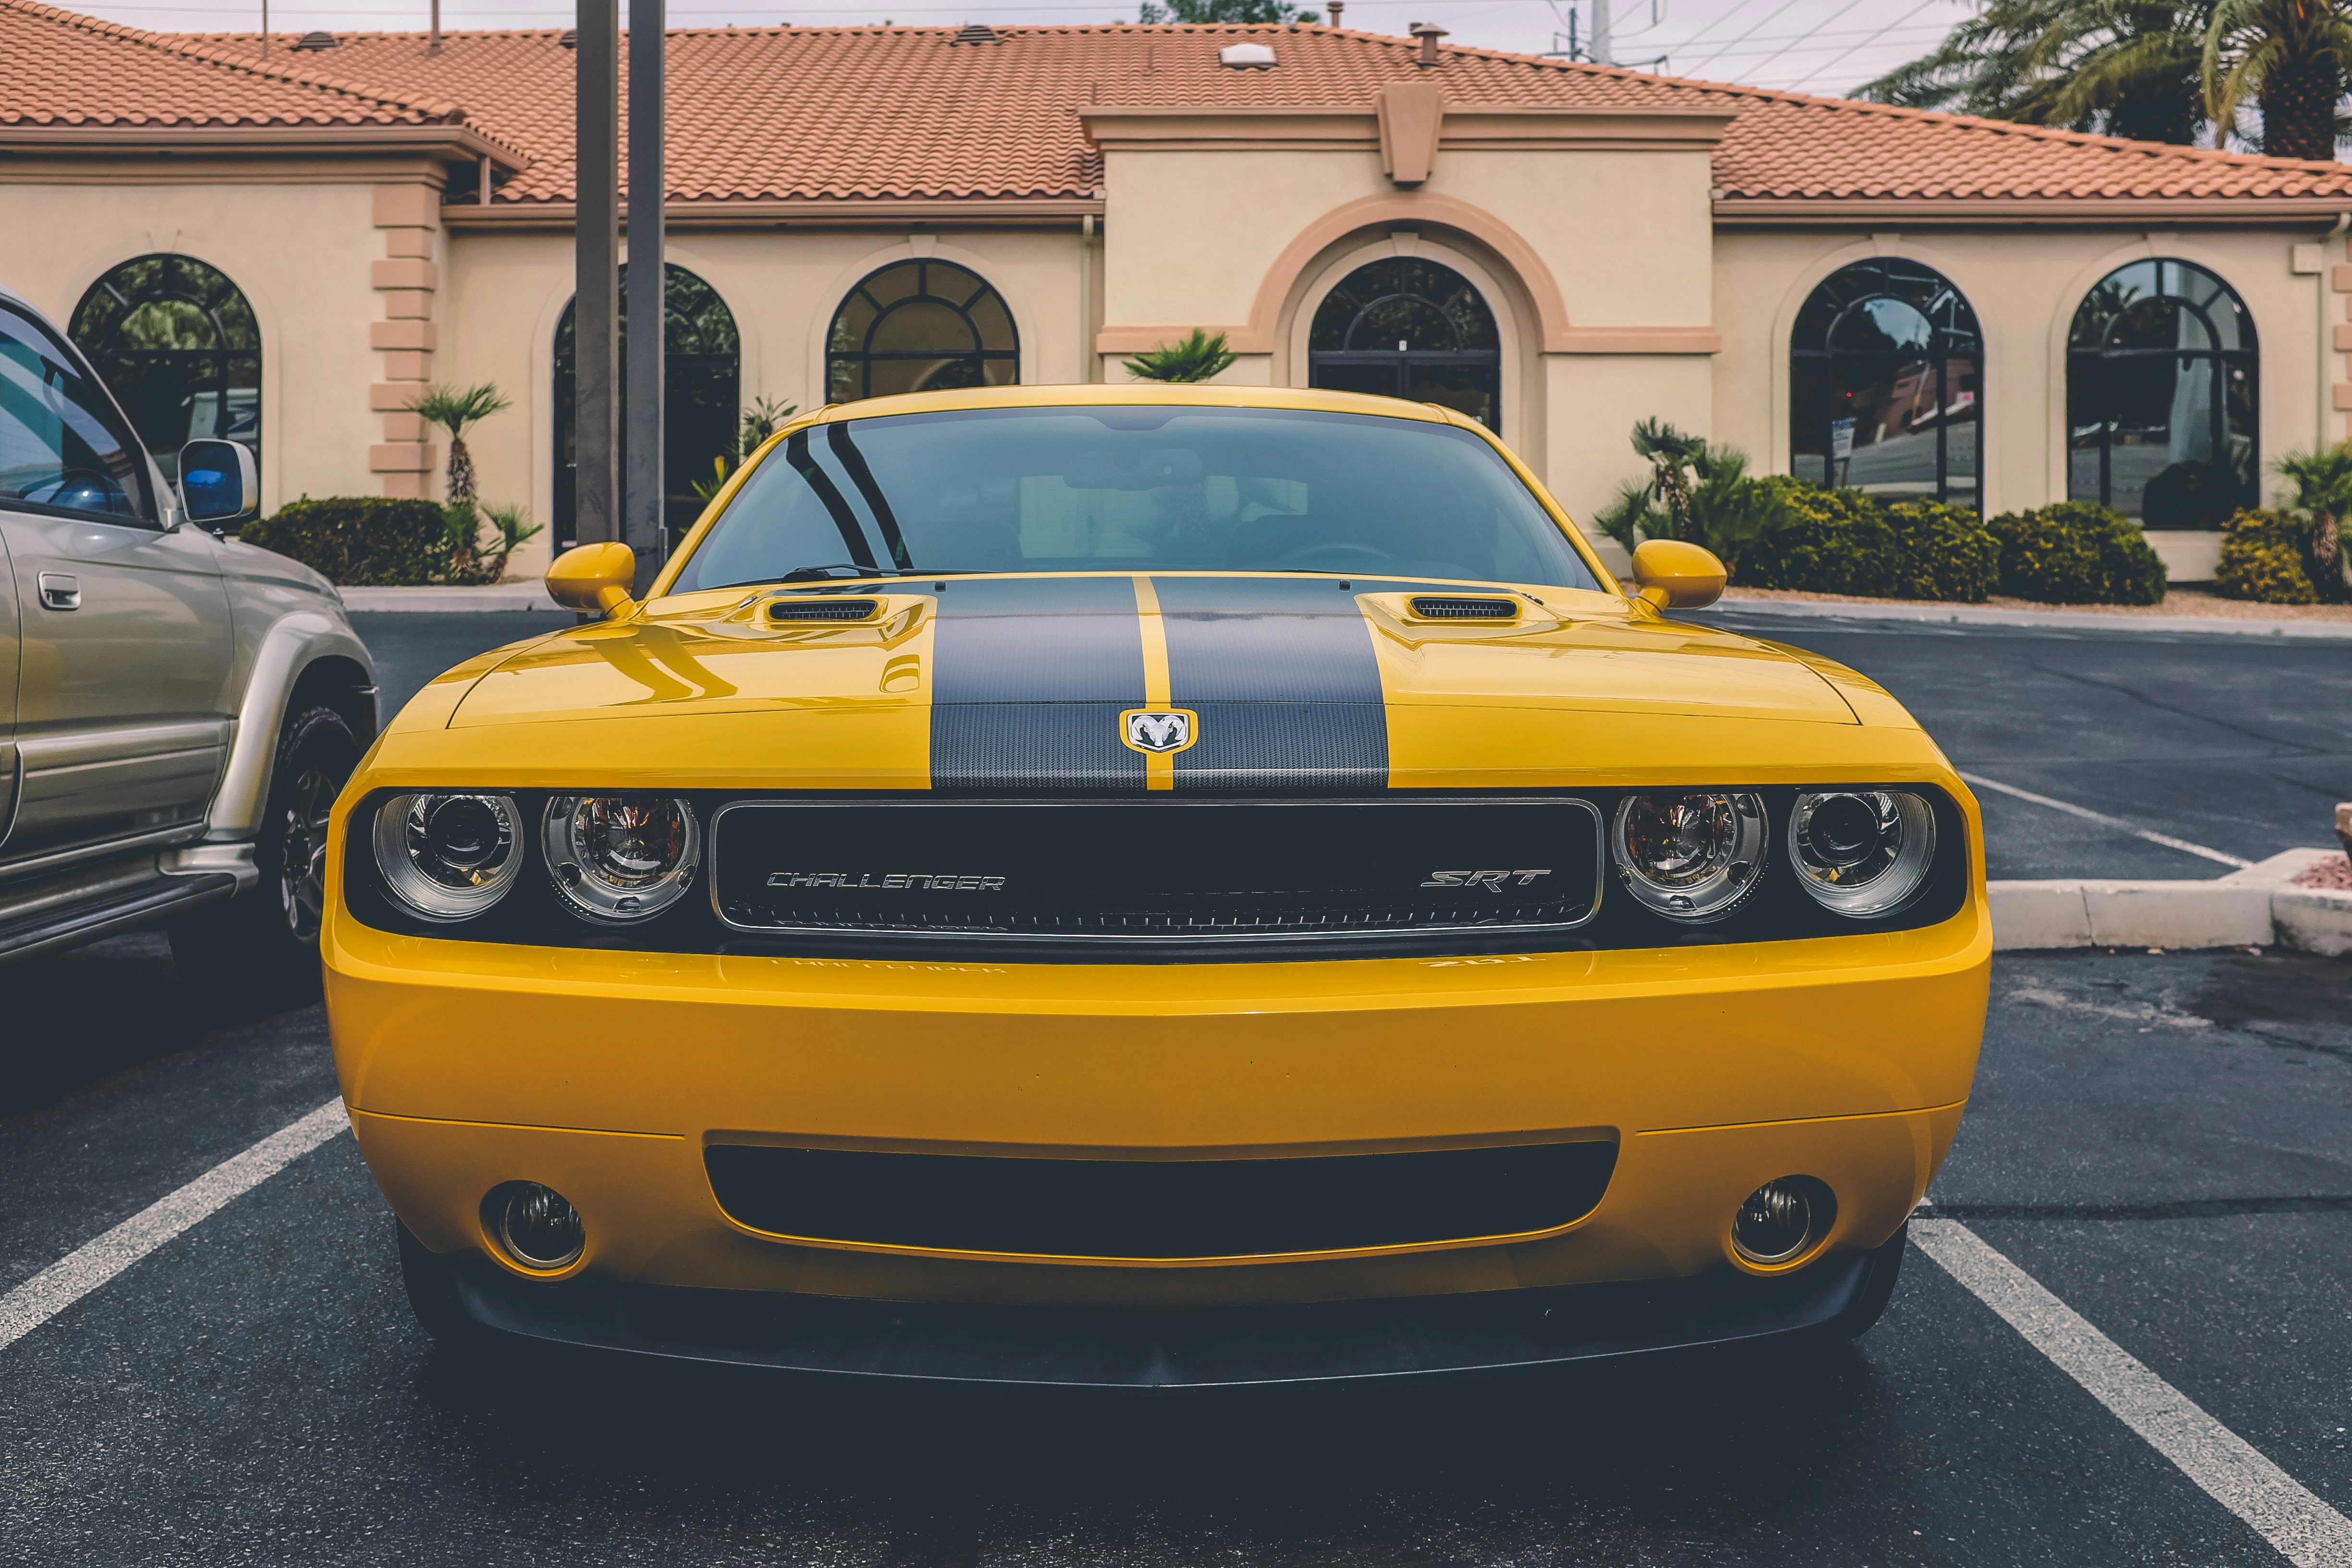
(177, 344)
(1409, 328)
(919, 326)
(1887, 371)
(2161, 388)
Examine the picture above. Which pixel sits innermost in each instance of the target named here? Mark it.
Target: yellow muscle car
(1142, 887)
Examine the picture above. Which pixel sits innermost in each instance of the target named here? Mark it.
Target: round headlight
(1690, 855)
(448, 856)
(1864, 853)
(621, 858)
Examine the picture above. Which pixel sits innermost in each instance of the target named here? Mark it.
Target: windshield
(1097, 488)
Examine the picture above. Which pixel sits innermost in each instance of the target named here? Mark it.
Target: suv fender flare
(293, 643)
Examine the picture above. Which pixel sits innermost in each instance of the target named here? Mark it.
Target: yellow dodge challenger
(1151, 887)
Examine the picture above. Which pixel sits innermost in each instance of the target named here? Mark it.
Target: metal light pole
(596, 266)
(1605, 46)
(643, 523)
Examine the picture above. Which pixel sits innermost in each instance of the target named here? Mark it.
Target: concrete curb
(2050, 620)
(2258, 907)
(507, 597)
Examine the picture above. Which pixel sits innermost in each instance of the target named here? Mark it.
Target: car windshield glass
(1149, 487)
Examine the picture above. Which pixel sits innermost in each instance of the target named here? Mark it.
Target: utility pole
(596, 283)
(434, 47)
(1602, 45)
(644, 526)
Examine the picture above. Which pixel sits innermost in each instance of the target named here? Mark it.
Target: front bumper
(1144, 1349)
(606, 1076)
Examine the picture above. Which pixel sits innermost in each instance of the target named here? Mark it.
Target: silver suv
(177, 710)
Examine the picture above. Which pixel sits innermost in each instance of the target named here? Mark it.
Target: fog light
(536, 1227)
(1782, 1218)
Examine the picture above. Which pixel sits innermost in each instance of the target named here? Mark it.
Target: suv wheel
(269, 935)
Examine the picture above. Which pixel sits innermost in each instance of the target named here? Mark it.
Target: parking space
(2161, 1140)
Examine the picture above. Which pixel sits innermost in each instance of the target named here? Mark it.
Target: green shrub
(373, 541)
(1943, 553)
(1829, 541)
(359, 540)
(2263, 557)
(2076, 553)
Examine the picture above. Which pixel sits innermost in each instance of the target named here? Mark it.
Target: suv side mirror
(218, 483)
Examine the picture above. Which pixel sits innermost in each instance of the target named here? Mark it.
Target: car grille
(1158, 1209)
(1156, 874)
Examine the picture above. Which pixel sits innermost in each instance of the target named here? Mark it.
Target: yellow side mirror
(595, 578)
(1679, 575)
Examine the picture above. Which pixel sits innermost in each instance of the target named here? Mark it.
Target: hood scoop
(787, 611)
(1464, 607)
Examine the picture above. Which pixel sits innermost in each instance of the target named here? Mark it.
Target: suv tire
(265, 944)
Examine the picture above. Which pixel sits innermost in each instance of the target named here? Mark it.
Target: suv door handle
(60, 591)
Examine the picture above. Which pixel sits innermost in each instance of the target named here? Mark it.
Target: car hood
(1291, 682)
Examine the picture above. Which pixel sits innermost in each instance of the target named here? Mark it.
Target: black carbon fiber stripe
(1282, 673)
(1028, 678)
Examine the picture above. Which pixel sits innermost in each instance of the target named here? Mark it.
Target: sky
(1811, 45)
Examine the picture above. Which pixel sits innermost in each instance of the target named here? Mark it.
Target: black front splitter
(1207, 1347)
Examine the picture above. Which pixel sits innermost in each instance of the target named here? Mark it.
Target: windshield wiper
(824, 574)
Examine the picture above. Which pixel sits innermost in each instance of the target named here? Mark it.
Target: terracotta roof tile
(61, 69)
(786, 112)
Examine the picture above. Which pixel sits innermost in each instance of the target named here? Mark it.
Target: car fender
(289, 645)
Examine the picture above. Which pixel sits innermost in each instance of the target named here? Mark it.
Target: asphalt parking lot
(2161, 1140)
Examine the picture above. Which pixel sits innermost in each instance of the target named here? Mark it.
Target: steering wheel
(1340, 557)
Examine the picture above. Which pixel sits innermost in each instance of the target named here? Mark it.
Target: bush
(1943, 553)
(2076, 553)
(359, 540)
(2263, 559)
(373, 541)
(1831, 542)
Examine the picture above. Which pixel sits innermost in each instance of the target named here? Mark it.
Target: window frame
(864, 355)
(1944, 346)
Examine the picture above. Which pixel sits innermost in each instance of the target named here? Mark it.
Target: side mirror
(218, 483)
(1678, 575)
(594, 579)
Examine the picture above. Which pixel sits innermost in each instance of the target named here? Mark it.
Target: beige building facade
(1622, 280)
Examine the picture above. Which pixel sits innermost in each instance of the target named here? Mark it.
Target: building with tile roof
(2000, 315)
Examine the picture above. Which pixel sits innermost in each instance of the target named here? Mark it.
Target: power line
(1825, 70)
(1784, 10)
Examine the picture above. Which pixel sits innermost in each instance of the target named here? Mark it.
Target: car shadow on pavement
(1358, 1474)
(114, 1013)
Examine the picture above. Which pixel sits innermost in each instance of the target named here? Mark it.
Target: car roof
(1159, 394)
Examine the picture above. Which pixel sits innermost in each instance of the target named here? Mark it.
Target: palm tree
(457, 410)
(2124, 68)
(2292, 60)
(2323, 488)
(1197, 357)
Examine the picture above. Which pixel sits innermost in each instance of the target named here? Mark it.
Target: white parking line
(2304, 1528)
(95, 1262)
(2087, 814)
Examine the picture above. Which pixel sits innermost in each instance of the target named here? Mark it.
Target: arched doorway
(1407, 327)
(702, 376)
(1886, 383)
(919, 326)
(176, 341)
(2160, 396)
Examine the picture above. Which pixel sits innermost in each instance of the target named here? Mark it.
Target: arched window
(919, 326)
(1409, 328)
(702, 371)
(1886, 383)
(2160, 396)
(177, 344)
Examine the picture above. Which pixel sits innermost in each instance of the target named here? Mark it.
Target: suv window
(62, 444)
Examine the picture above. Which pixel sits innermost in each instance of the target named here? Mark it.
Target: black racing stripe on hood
(1029, 676)
(1282, 673)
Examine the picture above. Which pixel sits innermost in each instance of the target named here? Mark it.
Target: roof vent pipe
(1333, 8)
(1428, 33)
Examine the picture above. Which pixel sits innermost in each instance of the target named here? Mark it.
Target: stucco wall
(504, 295)
(2024, 287)
(301, 255)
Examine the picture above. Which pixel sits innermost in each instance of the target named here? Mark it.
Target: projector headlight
(1690, 855)
(1863, 852)
(621, 859)
(448, 856)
